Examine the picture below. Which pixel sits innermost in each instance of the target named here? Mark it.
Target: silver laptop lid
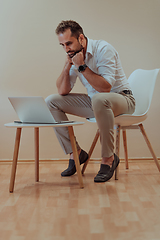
(31, 109)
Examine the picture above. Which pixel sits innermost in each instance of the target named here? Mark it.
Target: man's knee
(51, 99)
(99, 102)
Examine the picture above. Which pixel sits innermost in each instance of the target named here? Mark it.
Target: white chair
(142, 83)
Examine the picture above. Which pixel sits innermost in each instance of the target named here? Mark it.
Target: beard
(74, 52)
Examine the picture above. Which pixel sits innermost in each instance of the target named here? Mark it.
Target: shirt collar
(89, 46)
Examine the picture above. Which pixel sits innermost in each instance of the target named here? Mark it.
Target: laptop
(33, 110)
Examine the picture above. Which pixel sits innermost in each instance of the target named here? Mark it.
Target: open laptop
(33, 110)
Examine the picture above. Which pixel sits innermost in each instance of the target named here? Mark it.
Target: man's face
(70, 43)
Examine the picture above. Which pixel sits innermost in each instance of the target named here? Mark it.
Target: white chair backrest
(142, 83)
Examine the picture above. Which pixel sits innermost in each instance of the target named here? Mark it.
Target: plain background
(31, 60)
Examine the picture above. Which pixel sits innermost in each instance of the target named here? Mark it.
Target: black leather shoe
(71, 167)
(106, 172)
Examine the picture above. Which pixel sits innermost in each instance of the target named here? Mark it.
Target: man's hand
(78, 59)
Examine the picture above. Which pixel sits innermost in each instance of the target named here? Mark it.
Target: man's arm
(63, 82)
(98, 82)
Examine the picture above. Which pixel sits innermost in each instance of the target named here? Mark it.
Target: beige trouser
(103, 106)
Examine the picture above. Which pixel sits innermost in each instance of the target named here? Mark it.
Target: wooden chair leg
(91, 151)
(36, 138)
(117, 148)
(149, 145)
(15, 157)
(125, 148)
(75, 154)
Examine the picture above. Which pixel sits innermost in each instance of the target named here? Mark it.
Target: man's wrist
(82, 68)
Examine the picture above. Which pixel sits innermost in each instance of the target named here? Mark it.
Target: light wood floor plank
(56, 208)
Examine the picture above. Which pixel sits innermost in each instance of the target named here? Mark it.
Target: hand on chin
(78, 59)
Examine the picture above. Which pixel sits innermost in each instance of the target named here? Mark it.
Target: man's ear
(81, 39)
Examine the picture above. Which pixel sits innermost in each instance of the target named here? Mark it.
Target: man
(98, 67)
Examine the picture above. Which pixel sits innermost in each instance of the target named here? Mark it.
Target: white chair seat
(125, 119)
(128, 120)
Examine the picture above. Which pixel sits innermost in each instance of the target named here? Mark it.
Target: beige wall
(31, 60)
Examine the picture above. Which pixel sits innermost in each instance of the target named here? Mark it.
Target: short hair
(75, 28)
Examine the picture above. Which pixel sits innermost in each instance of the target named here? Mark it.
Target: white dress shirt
(103, 60)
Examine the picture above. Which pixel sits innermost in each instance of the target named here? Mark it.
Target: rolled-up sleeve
(106, 63)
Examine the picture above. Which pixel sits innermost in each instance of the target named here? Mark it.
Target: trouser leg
(75, 104)
(106, 106)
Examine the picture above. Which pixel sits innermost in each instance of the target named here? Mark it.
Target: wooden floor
(57, 209)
